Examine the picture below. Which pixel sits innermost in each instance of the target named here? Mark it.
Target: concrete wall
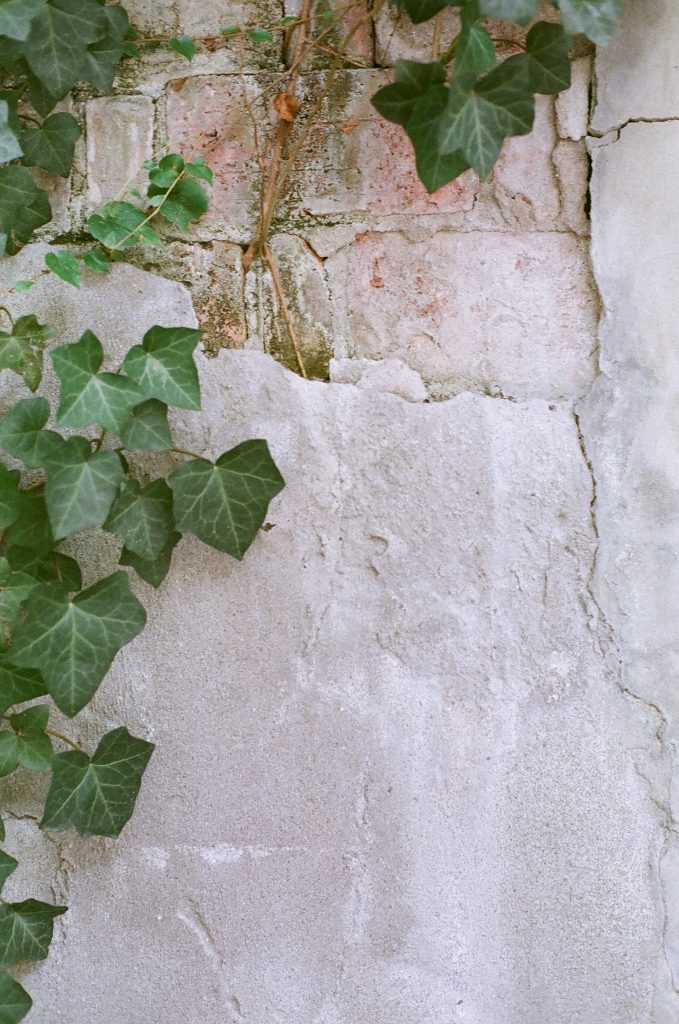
(414, 754)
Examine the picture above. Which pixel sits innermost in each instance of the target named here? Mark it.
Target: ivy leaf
(15, 20)
(58, 40)
(34, 747)
(41, 98)
(477, 120)
(147, 429)
(163, 366)
(183, 45)
(164, 174)
(597, 19)
(15, 1001)
(224, 502)
(21, 352)
(8, 866)
(197, 169)
(423, 10)
(15, 588)
(22, 434)
(119, 225)
(152, 570)
(52, 567)
(186, 202)
(81, 487)
(64, 265)
(97, 795)
(18, 685)
(142, 516)
(475, 52)
(73, 642)
(102, 56)
(396, 102)
(23, 206)
(52, 145)
(510, 10)
(548, 58)
(434, 168)
(10, 496)
(88, 396)
(32, 529)
(97, 260)
(26, 930)
(30, 328)
(10, 148)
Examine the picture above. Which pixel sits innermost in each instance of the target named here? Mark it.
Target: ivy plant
(59, 638)
(459, 109)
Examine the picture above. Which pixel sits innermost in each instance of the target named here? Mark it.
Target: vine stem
(449, 52)
(4, 309)
(65, 739)
(280, 293)
(185, 451)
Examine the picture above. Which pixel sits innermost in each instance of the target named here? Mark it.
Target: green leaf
(230, 30)
(18, 685)
(15, 1001)
(475, 52)
(41, 98)
(197, 169)
(58, 41)
(97, 260)
(10, 148)
(597, 19)
(186, 202)
(120, 225)
(81, 487)
(15, 588)
(73, 642)
(152, 570)
(147, 429)
(16, 17)
(396, 102)
(34, 746)
(64, 265)
(225, 503)
(32, 529)
(9, 753)
(142, 516)
(423, 10)
(183, 45)
(30, 329)
(260, 35)
(8, 865)
(50, 567)
(88, 396)
(23, 206)
(102, 56)
(548, 58)
(97, 795)
(26, 930)
(163, 366)
(23, 286)
(165, 173)
(22, 434)
(11, 502)
(52, 145)
(434, 168)
(478, 120)
(510, 10)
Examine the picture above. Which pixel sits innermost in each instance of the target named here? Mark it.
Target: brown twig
(280, 294)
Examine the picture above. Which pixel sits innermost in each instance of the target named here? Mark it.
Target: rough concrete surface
(414, 754)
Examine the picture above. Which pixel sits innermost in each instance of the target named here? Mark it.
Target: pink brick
(355, 21)
(525, 169)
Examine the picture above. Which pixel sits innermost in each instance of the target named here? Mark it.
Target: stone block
(572, 105)
(354, 23)
(391, 376)
(524, 179)
(509, 313)
(119, 140)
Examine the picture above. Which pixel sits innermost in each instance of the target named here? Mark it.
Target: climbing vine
(96, 461)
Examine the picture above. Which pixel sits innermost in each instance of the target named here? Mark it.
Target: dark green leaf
(102, 56)
(23, 206)
(186, 202)
(183, 45)
(10, 148)
(32, 529)
(163, 366)
(225, 503)
(511, 10)
(26, 930)
(52, 144)
(81, 487)
(16, 17)
(52, 567)
(478, 120)
(423, 10)
(22, 434)
(197, 169)
(97, 260)
(58, 41)
(548, 58)
(18, 685)
(147, 429)
(41, 98)
(15, 588)
(395, 102)
(18, 355)
(64, 265)
(7, 866)
(97, 796)
(142, 516)
(164, 174)
(596, 19)
(9, 754)
(11, 500)
(34, 746)
(152, 570)
(73, 642)
(475, 52)
(88, 396)
(30, 329)
(119, 225)
(434, 168)
(15, 1002)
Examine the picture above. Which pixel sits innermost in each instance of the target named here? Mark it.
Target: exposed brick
(355, 22)
(504, 312)
(119, 140)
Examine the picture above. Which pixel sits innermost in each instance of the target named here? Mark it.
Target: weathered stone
(572, 105)
(524, 178)
(119, 140)
(389, 375)
(353, 34)
(510, 312)
(571, 166)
